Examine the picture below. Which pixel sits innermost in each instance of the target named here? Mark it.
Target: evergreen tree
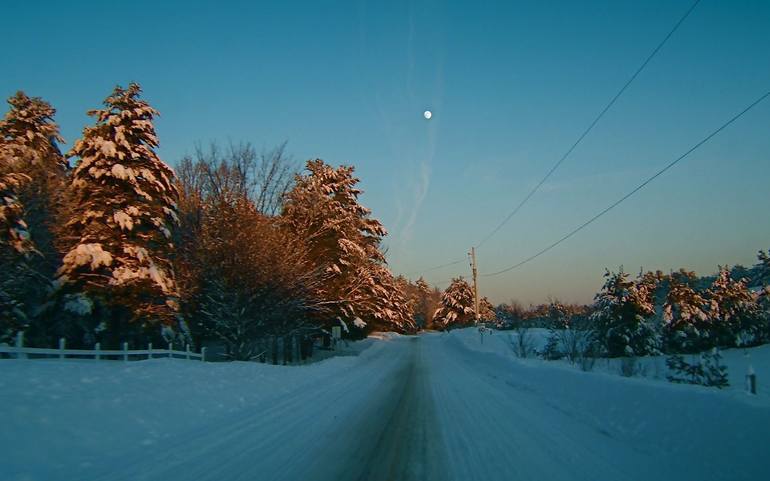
(487, 311)
(623, 316)
(456, 307)
(558, 315)
(16, 248)
(29, 153)
(762, 281)
(423, 310)
(384, 302)
(685, 315)
(117, 267)
(558, 320)
(344, 240)
(734, 315)
(763, 268)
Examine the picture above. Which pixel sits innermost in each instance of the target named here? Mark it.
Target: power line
(591, 126)
(435, 268)
(634, 191)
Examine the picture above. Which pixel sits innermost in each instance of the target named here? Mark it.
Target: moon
(427, 114)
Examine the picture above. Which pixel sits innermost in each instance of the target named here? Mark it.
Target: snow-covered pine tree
(558, 320)
(421, 292)
(422, 300)
(28, 149)
(383, 301)
(763, 268)
(124, 212)
(487, 310)
(735, 317)
(16, 248)
(685, 317)
(622, 315)
(428, 299)
(344, 239)
(456, 307)
(558, 315)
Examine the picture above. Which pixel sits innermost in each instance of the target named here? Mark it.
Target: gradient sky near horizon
(511, 86)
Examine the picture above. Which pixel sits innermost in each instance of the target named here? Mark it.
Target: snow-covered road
(432, 407)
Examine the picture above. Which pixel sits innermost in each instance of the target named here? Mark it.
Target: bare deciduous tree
(240, 171)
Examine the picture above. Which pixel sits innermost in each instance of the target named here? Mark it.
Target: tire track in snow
(409, 447)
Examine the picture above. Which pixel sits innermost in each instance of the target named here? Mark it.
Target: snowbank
(621, 428)
(74, 412)
(649, 368)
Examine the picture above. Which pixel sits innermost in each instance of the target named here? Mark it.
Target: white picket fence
(98, 353)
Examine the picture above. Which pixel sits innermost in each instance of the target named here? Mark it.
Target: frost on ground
(436, 406)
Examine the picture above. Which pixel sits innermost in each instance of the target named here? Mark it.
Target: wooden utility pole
(475, 284)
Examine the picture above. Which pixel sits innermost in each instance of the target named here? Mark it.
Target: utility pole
(475, 284)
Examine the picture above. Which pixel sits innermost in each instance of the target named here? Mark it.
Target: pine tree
(421, 298)
(29, 153)
(344, 239)
(118, 261)
(623, 315)
(763, 268)
(16, 248)
(558, 321)
(384, 302)
(735, 318)
(487, 311)
(456, 307)
(685, 315)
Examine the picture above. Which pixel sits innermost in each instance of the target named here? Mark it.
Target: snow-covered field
(654, 368)
(438, 406)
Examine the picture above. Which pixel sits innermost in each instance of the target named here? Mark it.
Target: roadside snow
(649, 367)
(562, 423)
(76, 412)
(440, 406)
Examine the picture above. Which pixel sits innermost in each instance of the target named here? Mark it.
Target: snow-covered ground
(648, 367)
(438, 406)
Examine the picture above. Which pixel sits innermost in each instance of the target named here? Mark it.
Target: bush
(631, 367)
(706, 370)
(551, 351)
(523, 344)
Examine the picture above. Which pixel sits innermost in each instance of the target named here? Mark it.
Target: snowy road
(444, 407)
(373, 421)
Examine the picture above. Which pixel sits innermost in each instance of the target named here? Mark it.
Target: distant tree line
(657, 313)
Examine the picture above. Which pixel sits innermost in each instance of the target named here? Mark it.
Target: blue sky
(511, 85)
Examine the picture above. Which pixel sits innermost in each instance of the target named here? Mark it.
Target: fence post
(169, 350)
(203, 354)
(125, 352)
(751, 381)
(97, 348)
(20, 345)
(187, 350)
(62, 345)
(149, 351)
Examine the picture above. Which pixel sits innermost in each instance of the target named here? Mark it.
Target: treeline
(235, 246)
(657, 313)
